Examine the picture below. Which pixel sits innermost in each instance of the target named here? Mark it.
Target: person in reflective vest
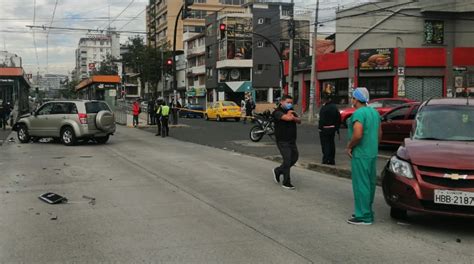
(164, 112)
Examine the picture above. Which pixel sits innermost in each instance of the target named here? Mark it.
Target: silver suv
(68, 121)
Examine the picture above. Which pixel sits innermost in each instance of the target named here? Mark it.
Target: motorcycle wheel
(256, 133)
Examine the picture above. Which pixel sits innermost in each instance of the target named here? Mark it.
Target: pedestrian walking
(364, 134)
(249, 107)
(151, 112)
(329, 124)
(285, 134)
(163, 112)
(136, 110)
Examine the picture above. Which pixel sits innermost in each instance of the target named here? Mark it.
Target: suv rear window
(96, 107)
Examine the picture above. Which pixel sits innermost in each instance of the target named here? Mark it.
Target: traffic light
(222, 29)
(187, 9)
(168, 66)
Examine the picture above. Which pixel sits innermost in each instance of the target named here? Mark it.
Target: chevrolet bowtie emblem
(455, 176)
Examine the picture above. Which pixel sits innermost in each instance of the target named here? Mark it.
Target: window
(261, 95)
(413, 112)
(260, 21)
(96, 107)
(232, 2)
(398, 114)
(209, 73)
(434, 32)
(200, 1)
(268, 20)
(102, 43)
(45, 109)
(198, 14)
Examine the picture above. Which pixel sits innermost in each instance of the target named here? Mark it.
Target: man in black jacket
(329, 123)
(285, 133)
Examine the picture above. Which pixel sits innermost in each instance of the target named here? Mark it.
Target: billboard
(376, 59)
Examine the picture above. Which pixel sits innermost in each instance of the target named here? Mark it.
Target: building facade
(195, 52)
(161, 15)
(244, 58)
(415, 49)
(92, 50)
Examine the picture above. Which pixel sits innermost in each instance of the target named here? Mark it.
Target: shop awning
(114, 79)
(236, 87)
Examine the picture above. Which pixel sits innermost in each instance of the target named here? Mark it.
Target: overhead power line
(123, 11)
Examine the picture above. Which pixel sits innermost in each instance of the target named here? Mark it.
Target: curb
(340, 172)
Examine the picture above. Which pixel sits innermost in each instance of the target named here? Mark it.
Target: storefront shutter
(423, 88)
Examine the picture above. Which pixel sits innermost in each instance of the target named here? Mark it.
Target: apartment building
(161, 16)
(239, 60)
(93, 49)
(195, 52)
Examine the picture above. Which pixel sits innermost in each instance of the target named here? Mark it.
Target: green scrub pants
(364, 178)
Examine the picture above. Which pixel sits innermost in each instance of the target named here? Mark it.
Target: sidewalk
(4, 134)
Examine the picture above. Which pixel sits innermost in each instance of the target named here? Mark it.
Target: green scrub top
(370, 120)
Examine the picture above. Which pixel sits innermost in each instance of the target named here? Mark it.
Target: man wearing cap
(364, 134)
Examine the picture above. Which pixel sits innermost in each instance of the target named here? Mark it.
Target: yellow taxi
(223, 110)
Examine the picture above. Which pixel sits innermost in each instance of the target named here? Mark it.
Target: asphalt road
(234, 136)
(167, 201)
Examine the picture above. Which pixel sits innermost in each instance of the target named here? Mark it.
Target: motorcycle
(265, 125)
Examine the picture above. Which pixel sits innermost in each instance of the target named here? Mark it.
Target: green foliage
(146, 61)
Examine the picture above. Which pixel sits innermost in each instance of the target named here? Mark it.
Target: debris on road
(54, 218)
(52, 198)
(458, 240)
(91, 199)
(11, 140)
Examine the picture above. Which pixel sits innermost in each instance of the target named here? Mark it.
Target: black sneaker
(276, 177)
(355, 221)
(288, 186)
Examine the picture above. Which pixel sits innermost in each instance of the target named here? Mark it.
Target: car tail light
(83, 118)
(224, 109)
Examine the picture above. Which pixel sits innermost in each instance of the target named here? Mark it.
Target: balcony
(199, 70)
(234, 64)
(197, 50)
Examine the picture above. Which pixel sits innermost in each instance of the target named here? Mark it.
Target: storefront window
(378, 87)
(338, 88)
(261, 95)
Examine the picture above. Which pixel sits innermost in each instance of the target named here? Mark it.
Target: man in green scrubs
(364, 134)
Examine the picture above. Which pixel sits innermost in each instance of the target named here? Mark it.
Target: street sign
(401, 71)
(460, 69)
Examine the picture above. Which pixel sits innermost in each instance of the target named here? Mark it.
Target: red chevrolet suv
(433, 171)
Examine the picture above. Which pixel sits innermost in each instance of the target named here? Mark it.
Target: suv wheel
(23, 134)
(102, 140)
(397, 213)
(68, 137)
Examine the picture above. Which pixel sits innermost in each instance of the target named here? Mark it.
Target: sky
(53, 52)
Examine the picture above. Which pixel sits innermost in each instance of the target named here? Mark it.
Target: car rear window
(96, 107)
(229, 104)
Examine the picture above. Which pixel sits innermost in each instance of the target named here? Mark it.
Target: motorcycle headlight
(401, 167)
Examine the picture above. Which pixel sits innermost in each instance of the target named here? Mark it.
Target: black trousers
(290, 155)
(165, 130)
(158, 124)
(151, 118)
(327, 135)
(135, 120)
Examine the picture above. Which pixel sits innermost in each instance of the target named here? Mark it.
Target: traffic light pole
(175, 81)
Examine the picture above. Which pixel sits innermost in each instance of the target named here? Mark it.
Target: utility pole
(292, 49)
(314, 65)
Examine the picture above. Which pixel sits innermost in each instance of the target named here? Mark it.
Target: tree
(146, 61)
(70, 90)
(107, 67)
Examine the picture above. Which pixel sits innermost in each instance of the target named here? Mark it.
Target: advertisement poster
(376, 59)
